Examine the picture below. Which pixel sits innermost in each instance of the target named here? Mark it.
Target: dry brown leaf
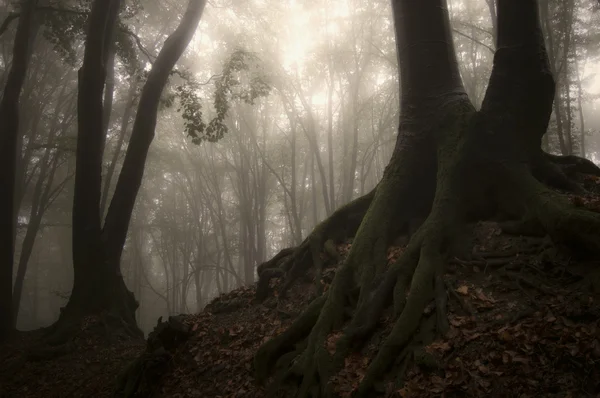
(464, 290)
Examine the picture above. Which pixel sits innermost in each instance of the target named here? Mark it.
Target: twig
(7, 21)
(474, 39)
(138, 41)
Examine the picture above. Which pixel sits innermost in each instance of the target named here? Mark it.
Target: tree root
(415, 281)
(574, 164)
(551, 174)
(411, 284)
(577, 228)
(139, 378)
(294, 262)
(560, 171)
(47, 353)
(426, 285)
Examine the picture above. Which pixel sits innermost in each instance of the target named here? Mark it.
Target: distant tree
(451, 164)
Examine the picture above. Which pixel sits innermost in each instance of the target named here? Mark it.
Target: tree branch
(138, 41)
(474, 39)
(7, 21)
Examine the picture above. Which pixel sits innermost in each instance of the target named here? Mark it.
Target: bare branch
(7, 21)
(474, 39)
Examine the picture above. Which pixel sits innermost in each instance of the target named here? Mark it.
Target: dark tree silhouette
(98, 286)
(9, 130)
(451, 164)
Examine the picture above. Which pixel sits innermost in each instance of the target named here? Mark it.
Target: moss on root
(294, 262)
(464, 178)
(410, 283)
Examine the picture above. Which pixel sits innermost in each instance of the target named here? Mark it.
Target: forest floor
(87, 366)
(524, 323)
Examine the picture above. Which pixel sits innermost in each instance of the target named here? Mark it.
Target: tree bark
(96, 287)
(9, 130)
(98, 282)
(582, 138)
(456, 164)
(130, 178)
(120, 140)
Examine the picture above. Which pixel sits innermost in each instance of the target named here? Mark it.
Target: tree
(451, 165)
(9, 130)
(98, 286)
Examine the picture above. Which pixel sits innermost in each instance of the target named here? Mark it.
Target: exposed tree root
(294, 262)
(411, 284)
(552, 174)
(551, 212)
(114, 323)
(140, 377)
(489, 163)
(560, 172)
(575, 164)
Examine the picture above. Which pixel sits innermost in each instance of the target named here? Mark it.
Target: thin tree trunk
(568, 27)
(130, 178)
(492, 7)
(580, 106)
(313, 192)
(109, 90)
(39, 204)
(330, 134)
(115, 157)
(545, 15)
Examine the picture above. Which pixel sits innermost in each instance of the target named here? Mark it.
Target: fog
(313, 110)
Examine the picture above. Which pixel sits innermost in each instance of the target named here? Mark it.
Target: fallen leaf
(464, 290)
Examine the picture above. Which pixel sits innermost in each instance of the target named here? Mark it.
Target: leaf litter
(517, 328)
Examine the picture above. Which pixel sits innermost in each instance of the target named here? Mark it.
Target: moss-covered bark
(488, 163)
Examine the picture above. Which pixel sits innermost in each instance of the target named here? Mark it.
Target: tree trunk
(492, 7)
(98, 283)
(130, 178)
(9, 130)
(118, 147)
(582, 148)
(451, 164)
(330, 90)
(96, 286)
(40, 202)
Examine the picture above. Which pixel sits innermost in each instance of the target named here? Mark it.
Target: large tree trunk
(96, 287)
(451, 164)
(98, 284)
(9, 130)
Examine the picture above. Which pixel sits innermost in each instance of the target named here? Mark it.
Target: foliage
(65, 28)
(65, 23)
(240, 81)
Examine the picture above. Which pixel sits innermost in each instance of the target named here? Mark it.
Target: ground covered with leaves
(524, 320)
(85, 366)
